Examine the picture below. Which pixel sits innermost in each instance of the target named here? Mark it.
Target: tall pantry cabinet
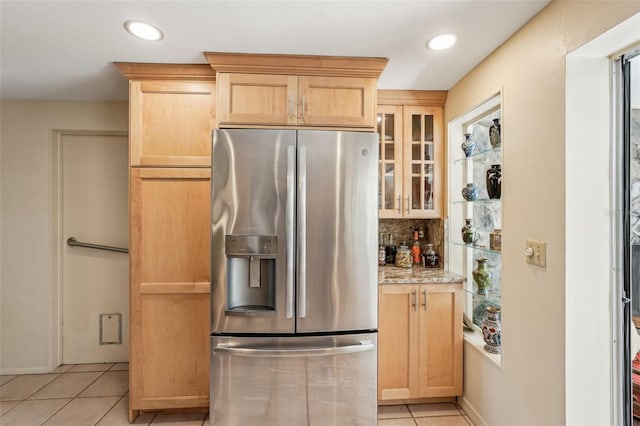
(171, 115)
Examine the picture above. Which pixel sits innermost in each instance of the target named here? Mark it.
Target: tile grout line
(109, 410)
(57, 411)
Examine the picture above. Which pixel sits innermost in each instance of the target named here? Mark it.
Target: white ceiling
(63, 50)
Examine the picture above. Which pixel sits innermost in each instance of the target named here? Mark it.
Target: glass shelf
(481, 248)
(493, 296)
(479, 201)
(478, 155)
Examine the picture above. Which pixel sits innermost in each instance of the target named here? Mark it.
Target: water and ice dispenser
(251, 273)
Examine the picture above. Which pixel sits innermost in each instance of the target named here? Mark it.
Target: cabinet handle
(413, 300)
(424, 299)
(399, 204)
(409, 204)
(302, 107)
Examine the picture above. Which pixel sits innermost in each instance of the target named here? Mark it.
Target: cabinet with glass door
(475, 219)
(410, 178)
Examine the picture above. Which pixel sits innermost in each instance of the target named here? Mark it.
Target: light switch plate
(538, 253)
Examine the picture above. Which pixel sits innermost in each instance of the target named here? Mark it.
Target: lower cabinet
(169, 288)
(419, 341)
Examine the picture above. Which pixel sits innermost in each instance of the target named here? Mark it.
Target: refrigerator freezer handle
(302, 232)
(362, 346)
(290, 213)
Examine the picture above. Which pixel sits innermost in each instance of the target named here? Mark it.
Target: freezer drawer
(294, 381)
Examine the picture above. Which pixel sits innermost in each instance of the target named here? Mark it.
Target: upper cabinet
(171, 114)
(295, 90)
(410, 128)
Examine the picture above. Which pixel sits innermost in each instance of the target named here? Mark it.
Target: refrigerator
(294, 279)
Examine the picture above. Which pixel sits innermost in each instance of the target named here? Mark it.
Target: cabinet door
(169, 288)
(171, 122)
(440, 353)
(397, 342)
(423, 186)
(389, 128)
(257, 99)
(337, 101)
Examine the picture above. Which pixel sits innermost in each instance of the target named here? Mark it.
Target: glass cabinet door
(389, 128)
(422, 162)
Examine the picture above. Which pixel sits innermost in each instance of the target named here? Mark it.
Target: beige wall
(529, 386)
(25, 311)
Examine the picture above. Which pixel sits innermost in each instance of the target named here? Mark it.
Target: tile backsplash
(402, 230)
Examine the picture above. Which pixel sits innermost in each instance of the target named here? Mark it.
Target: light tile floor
(97, 394)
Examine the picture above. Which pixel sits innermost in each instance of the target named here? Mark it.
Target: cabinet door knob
(424, 299)
(399, 204)
(408, 204)
(413, 300)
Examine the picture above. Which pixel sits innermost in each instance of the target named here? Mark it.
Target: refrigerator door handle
(302, 232)
(290, 218)
(280, 352)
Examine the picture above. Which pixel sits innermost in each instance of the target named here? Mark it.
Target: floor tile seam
(89, 385)
(74, 396)
(100, 396)
(57, 411)
(13, 378)
(109, 410)
(38, 389)
(10, 409)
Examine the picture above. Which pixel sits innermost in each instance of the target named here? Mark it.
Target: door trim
(56, 240)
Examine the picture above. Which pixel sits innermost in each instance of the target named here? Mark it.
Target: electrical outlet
(536, 253)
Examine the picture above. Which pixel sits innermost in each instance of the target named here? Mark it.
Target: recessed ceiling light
(143, 30)
(442, 41)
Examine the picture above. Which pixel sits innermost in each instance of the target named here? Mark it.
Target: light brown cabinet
(169, 288)
(419, 341)
(296, 90)
(283, 100)
(410, 128)
(171, 114)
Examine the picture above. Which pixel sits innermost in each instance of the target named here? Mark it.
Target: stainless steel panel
(341, 216)
(294, 381)
(249, 193)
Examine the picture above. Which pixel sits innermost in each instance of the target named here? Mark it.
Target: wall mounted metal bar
(73, 242)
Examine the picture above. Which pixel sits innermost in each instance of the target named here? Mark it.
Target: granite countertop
(416, 275)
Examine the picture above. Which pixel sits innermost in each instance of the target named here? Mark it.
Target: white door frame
(56, 243)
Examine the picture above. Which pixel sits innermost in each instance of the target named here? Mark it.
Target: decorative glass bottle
(469, 234)
(403, 256)
(431, 258)
(482, 276)
(494, 181)
(468, 146)
(492, 330)
(470, 192)
(494, 133)
(382, 251)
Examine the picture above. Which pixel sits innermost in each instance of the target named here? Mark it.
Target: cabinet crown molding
(335, 66)
(412, 97)
(148, 71)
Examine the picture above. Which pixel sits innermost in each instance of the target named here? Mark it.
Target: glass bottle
(431, 258)
(416, 254)
(390, 250)
(382, 252)
(403, 256)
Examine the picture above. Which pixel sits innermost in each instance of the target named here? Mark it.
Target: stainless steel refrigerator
(294, 278)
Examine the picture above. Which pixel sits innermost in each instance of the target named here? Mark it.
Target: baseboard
(417, 400)
(471, 412)
(29, 370)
